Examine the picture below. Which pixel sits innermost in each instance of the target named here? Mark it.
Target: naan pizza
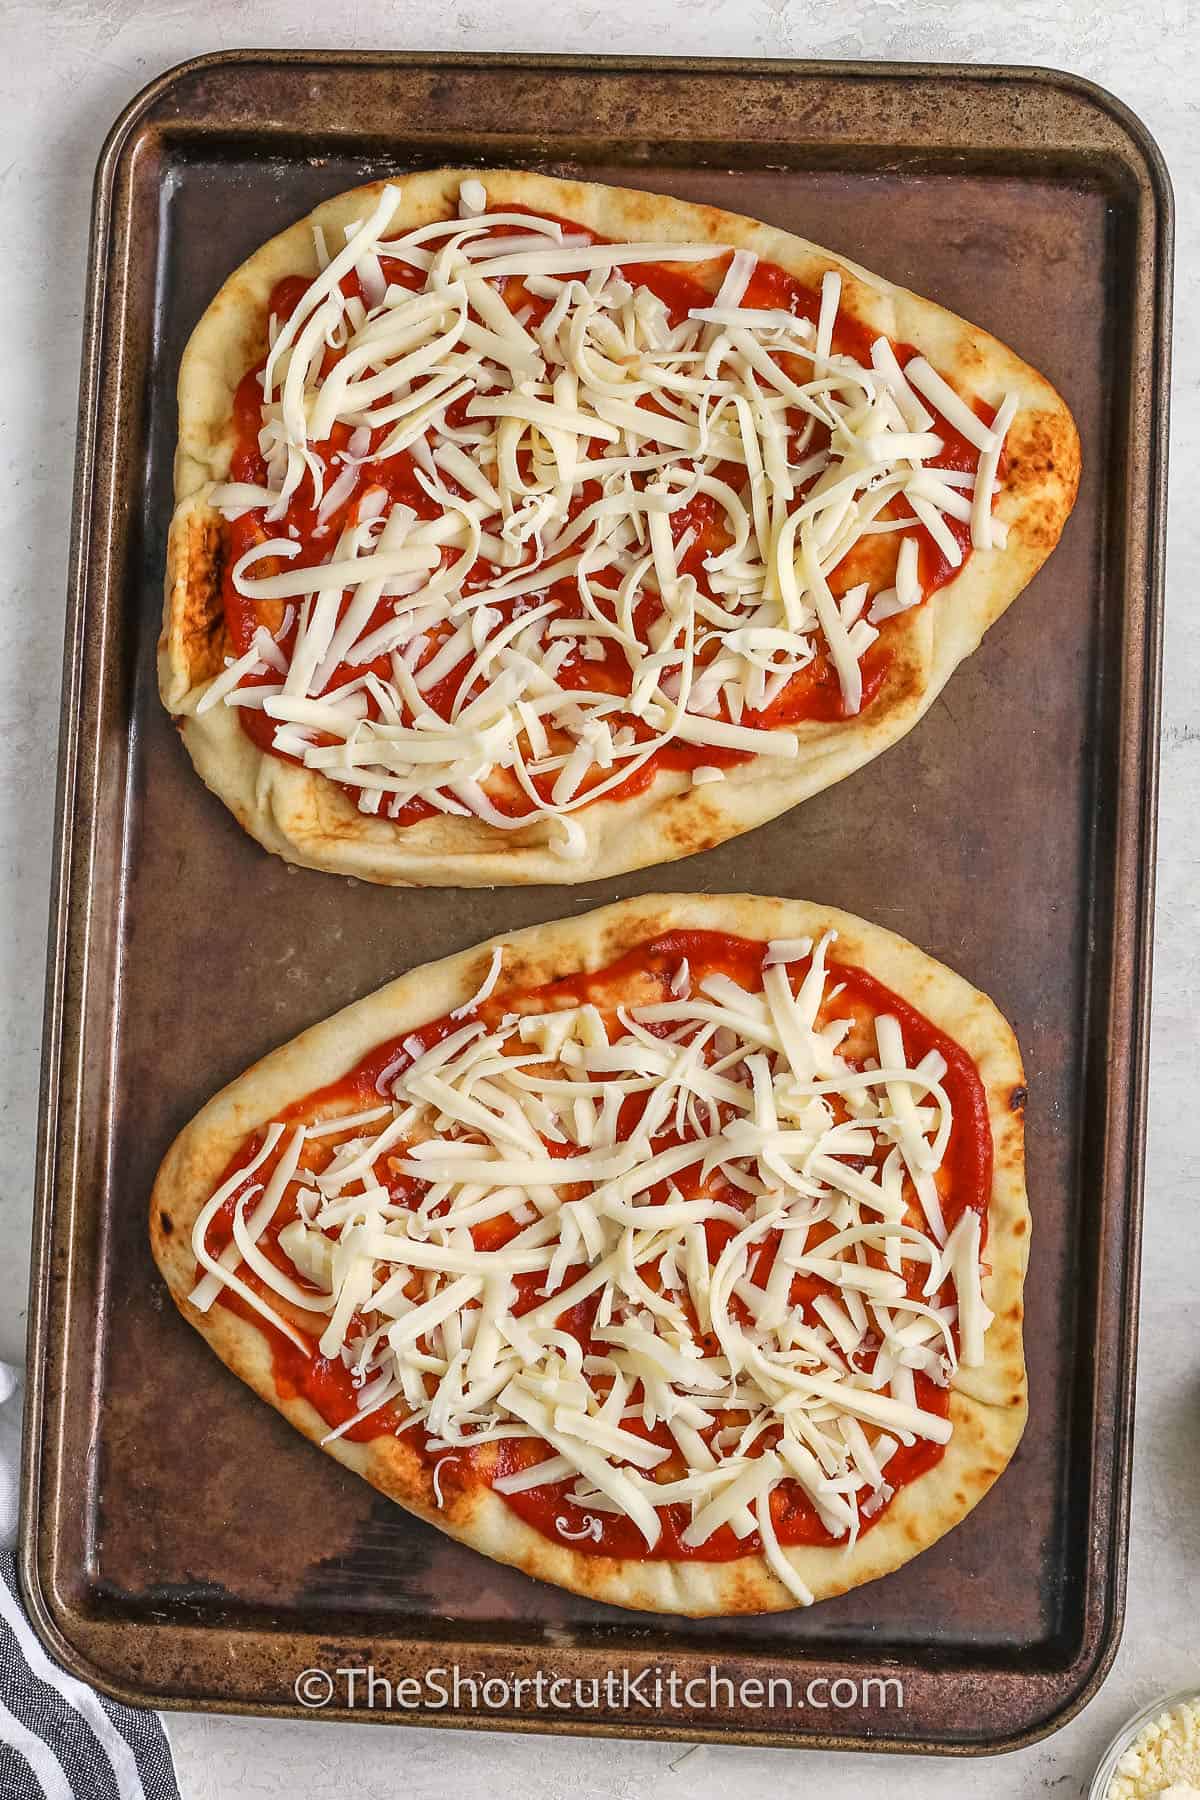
(532, 530)
(673, 1253)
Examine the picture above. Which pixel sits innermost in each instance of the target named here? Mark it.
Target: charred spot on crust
(694, 829)
(905, 679)
(1047, 448)
(742, 1593)
(517, 971)
(167, 1224)
(213, 548)
(202, 625)
(1017, 1099)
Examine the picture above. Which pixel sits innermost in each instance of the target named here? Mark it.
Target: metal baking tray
(182, 1546)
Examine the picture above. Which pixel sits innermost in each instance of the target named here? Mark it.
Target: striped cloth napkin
(59, 1740)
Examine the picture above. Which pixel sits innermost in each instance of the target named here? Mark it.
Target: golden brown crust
(988, 1404)
(303, 816)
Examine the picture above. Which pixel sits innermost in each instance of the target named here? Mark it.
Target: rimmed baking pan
(181, 1546)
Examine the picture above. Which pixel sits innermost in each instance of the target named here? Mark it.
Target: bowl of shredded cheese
(1156, 1756)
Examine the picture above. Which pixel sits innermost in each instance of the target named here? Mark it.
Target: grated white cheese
(1163, 1761)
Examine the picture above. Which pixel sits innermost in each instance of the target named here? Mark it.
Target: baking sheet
(182, 1545)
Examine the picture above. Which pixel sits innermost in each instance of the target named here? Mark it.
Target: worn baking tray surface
(183, 1545)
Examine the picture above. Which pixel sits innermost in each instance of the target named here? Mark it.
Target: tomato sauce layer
(814, 694)
(641, 977)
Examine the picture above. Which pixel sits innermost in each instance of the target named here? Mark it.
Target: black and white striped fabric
(59, 1740)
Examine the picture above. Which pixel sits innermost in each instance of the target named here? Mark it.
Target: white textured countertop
(66, 68)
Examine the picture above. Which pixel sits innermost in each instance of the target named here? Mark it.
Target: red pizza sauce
(813, 694)
(641, 977)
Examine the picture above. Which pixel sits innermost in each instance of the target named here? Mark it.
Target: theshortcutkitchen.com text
(363, 1688)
